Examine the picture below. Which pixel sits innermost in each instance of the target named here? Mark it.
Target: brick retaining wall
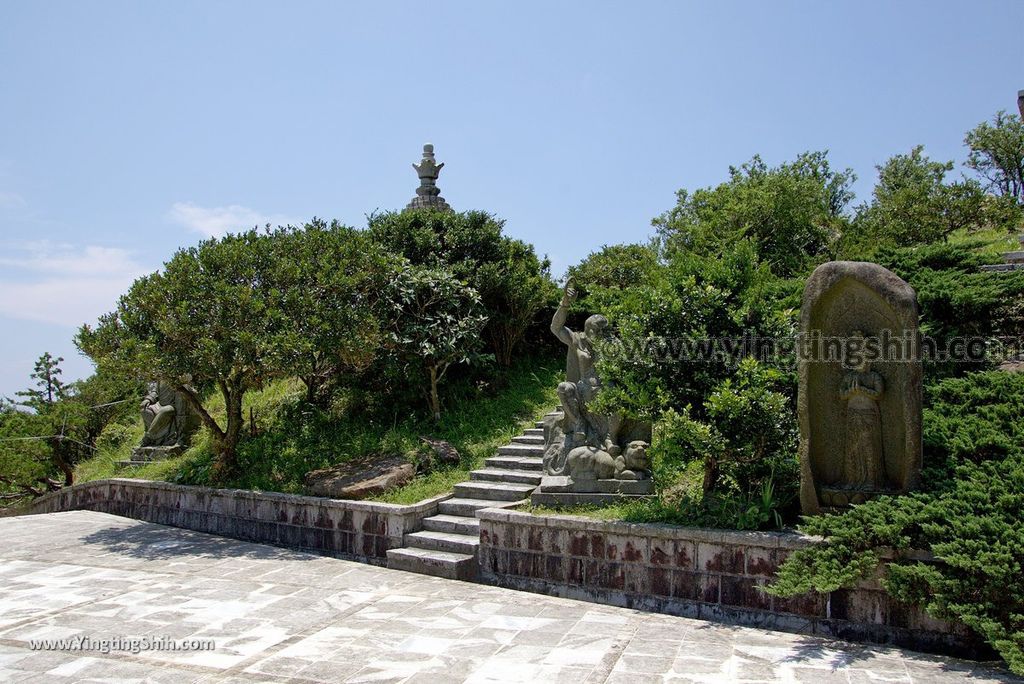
(699, 573)
(363, 530)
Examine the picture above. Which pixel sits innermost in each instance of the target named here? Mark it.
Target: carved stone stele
(859, 412)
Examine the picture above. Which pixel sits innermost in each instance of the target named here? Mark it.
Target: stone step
(443, 541)
(494, 491)
(469, 507)
(528, 439)
(507, 475)
(521, 450)
(456, 524)
(534, 432)
(462, 566)
(515, 462)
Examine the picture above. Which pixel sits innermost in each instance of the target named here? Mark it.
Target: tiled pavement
(277, 615)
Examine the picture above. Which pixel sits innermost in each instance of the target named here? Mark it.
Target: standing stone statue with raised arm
(589, 456)
(581, 382)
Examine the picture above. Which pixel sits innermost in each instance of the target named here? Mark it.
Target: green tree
(40, 448)
(513, 283)
(613, 267)
(913, 204)
(436, 323)
(328, 281)
(997, 155)
(791, 213)
(206, 321)
(49, 387)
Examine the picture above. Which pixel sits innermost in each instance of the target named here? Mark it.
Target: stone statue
(589, 456)
(864, 463)
(170, 423)
(581, 381)
(859, 402)
(428, 195)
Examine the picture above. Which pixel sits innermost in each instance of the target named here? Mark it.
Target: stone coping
(424, 506)
(772, 540)
(790, 540)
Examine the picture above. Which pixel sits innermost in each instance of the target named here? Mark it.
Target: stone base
(837, 498)
(560, 490)
(565, 499)
(156, 453)
(551, 484)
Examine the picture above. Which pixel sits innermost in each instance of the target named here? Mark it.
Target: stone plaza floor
(276, 615)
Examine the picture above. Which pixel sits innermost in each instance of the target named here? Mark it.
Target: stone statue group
(859, 415)
(860, 418)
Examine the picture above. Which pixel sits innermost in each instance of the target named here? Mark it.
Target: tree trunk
(228, 455)
(435, 400)
(61, 461)
(710, 473)
(204, 415)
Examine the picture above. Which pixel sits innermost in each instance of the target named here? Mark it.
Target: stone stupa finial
(428, 195)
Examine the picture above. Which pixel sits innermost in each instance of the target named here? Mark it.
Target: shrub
(957, 301)
(968, 515)
(747, 441)
(513, 283)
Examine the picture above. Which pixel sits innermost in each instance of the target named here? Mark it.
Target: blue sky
(131, 129)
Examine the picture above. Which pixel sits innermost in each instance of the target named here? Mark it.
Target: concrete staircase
(447, 545)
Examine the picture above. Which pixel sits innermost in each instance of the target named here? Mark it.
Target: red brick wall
(710, 574)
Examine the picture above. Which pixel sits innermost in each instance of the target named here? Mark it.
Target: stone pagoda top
(428, 195)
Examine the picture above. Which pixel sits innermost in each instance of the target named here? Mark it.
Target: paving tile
(279, 615)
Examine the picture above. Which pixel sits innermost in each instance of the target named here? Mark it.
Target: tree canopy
(791, 213)
(512, 281)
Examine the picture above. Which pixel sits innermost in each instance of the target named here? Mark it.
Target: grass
(287, 437)
(682, 502)
(996, 241)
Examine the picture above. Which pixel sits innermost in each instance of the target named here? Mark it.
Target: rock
(157, 453)
(1014, 364)
(360, 479)
(443, 453)
(859, 402)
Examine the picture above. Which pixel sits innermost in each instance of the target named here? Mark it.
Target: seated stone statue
(168, 418)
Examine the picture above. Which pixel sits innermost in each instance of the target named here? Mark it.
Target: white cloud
(11, 200)
(62, 284)
(44, 256)
(218, 221)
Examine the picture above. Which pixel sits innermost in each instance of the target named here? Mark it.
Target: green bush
(667, 325)
(512, 281)
(114, 436)
(957, 301)
(747, 438)
(791, 213)
(968, 515)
